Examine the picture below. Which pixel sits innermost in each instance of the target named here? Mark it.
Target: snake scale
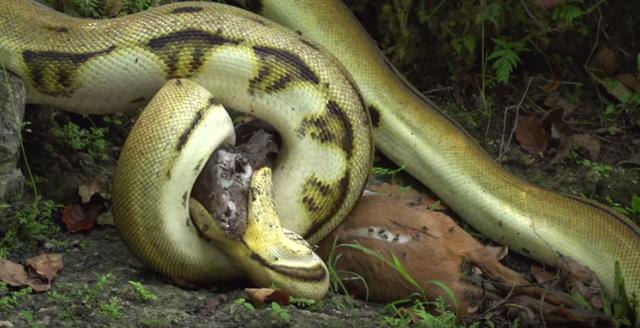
(253, 65)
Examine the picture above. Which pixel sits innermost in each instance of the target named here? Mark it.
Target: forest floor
(95, 289)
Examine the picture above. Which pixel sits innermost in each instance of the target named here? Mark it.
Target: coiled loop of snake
(107, 66)
(246, 63)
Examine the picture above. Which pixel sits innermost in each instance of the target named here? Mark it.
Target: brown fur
(438, 250)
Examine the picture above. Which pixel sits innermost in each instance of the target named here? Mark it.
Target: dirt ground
(94, 289)
(98, 267)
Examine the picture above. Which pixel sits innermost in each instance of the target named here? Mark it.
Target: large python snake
(253, 65)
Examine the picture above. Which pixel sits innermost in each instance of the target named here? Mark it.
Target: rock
(12, 101)
(6, 324)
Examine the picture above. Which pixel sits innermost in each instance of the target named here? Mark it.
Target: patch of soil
(98, 268)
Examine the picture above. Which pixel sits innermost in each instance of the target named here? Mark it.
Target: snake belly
(247, 62)
(63, 61)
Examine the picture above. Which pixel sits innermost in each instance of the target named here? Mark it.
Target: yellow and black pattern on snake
(245, 61)
(409, 130)
(183, 231)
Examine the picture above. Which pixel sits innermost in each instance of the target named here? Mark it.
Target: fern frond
(506, 58)
(567, 12)
(491, 13)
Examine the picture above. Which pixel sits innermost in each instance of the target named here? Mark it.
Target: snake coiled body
(112, 65)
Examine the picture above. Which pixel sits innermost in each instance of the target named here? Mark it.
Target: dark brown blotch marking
(187, 10)
(54, 73)
(343, 119)
(331, 126)
(76, 58)
(309, 44)
(58, 29)
(199, 165)
(290, 58)
(188, 36)
(185, 135)
(310, 204)
(193, 43)
(316, 274)
(278, 69)
(526, 250)
(184, 199)
(374, 113)
(341, 190)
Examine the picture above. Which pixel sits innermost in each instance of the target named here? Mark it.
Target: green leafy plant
(244, 303)
(506, 57)
(338, 277)
(113, 309)
(431, 314)
(92, 140)
(89, 295)
(144, 294)
(618, 304)
(280, 312)
(32, 222)
(567, 12)
(397, 265)
(305, 303)
(57, 297)
(633, 210)
(133, 6)
(379, 170)
(28, 317)
(83, 8)
(598, 169)
(9, 300)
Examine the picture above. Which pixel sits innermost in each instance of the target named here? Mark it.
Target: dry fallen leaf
(531, 135)
(558, 315)
(267, 295)
(85, 191)
(605, 61)
(584, 141)
(629, 80)
(542, 275)
(588, 142)
(76, 219)
(553, 121)
(46, 265)
(83, 217)
(579, 278)
(15, 275)
(552, 85)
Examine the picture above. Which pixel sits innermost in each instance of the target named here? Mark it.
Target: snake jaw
(269, 254)
(277, 257)
(275, 251)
